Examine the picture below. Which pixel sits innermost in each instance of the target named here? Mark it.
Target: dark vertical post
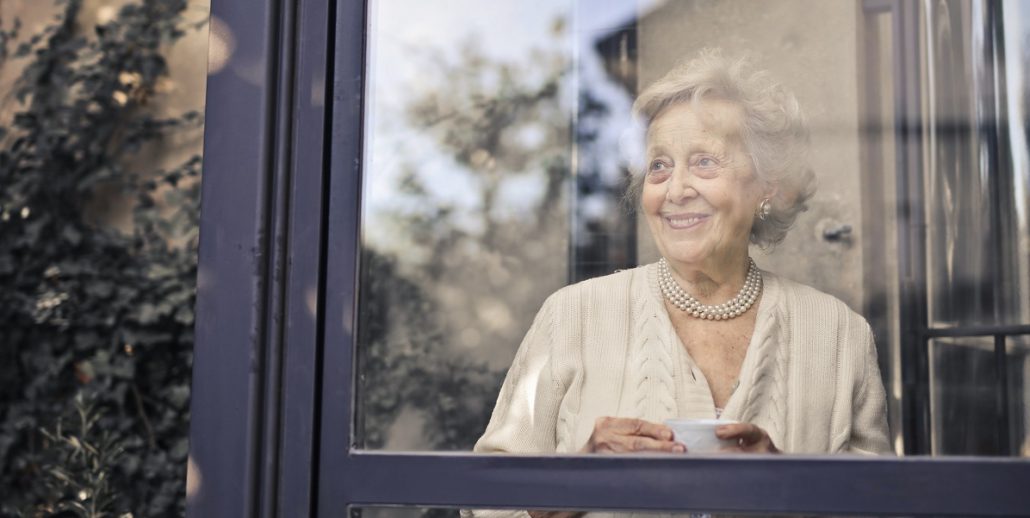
(1001, 366)
(230, 346)
(339, 376)
(993, 133)
(304, 265)
(995, 154)
(257, 333)
(911, 229)
(277, 214)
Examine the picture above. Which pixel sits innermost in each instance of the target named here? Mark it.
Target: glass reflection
(976, 198)
(976, 175)
(965, 398)
(498, 153)
(466, 208)
(1018, 362)
(1017, 86)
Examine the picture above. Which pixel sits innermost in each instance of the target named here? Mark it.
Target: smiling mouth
(685, 221)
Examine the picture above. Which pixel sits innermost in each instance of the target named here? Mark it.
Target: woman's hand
(625, 435)
(750, 438)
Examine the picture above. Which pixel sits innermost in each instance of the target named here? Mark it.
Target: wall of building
(811, 47)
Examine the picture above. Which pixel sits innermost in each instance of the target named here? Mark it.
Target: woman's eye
(658, 166)
(706, 162)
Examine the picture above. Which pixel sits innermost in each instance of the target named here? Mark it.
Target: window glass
(501, 149)
(1018, 414)
(976, 183)
(977, 260)
(467, 209)
(967, 397)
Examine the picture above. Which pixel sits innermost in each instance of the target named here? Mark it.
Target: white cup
(698, 435)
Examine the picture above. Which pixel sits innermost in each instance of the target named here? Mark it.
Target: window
(497, 155)
(479, 162)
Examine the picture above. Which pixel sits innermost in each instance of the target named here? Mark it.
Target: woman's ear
(770, 191)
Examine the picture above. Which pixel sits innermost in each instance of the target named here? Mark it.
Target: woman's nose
(679, 187)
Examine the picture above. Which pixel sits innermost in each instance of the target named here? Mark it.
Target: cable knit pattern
(765, 400)
(651, 359)
(606, 347)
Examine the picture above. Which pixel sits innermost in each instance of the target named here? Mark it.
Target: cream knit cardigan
(606, 347)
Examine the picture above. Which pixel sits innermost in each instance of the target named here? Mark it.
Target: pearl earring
(764, 209)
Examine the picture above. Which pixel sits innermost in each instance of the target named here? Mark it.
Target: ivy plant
(86, 308)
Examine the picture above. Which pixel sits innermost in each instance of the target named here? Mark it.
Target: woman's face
(700, 190)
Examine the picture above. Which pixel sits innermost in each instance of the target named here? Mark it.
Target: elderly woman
(702, 333)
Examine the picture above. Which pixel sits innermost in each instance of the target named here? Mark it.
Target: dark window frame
(274, 382)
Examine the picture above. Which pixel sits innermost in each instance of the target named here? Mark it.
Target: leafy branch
(86, 306)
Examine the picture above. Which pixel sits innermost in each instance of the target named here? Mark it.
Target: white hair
(774, 131)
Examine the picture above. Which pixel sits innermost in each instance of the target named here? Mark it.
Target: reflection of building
(618, 51)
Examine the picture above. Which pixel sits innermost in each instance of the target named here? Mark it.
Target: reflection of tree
(497, 122)
(446, 281)
(409, 369)
(605, 235)
(480, 229)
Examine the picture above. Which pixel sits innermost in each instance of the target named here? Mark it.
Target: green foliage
(77, 466)
(85, 307)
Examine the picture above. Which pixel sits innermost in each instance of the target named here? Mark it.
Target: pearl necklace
(730, 309)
